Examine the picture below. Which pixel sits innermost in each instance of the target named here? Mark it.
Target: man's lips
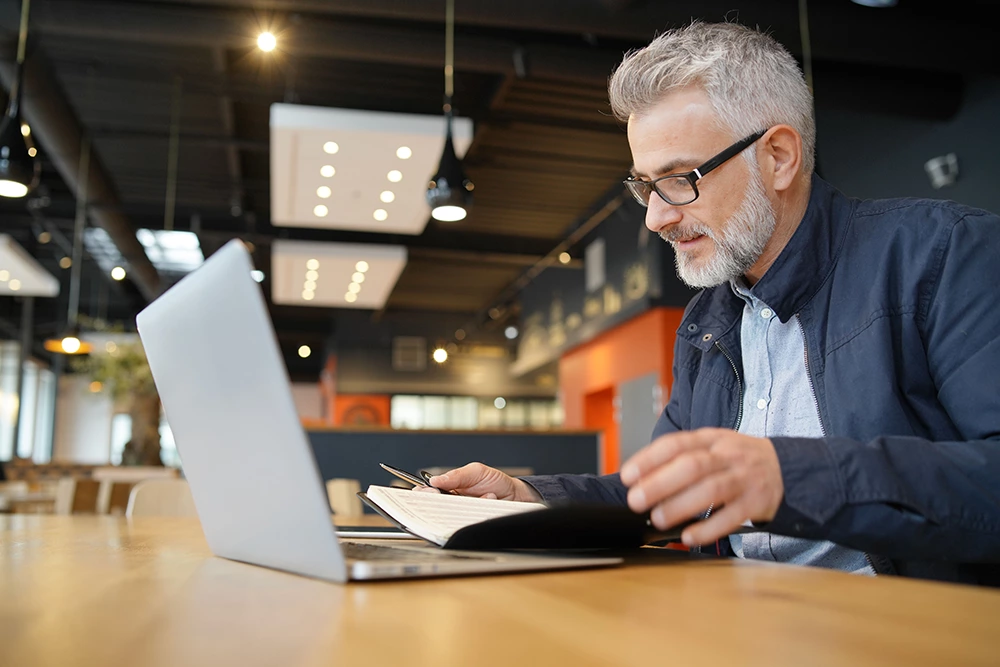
(688, 241)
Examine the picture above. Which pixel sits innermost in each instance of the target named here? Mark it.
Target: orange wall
(361, 410)
(644, 344)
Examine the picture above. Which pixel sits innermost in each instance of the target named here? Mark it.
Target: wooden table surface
(107, 591)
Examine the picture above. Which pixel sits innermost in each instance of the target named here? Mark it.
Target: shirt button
(761, 404)
(766, 313)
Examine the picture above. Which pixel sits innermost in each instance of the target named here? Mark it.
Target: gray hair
(751, 80)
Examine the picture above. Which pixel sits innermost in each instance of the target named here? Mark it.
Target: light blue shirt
(778, 400)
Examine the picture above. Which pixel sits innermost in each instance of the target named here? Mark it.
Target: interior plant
(123, 372)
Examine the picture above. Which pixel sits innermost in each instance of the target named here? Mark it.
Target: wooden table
(105, 591)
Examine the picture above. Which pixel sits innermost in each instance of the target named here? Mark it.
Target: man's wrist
(525, 492)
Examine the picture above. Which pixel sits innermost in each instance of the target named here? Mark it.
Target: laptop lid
(217, 365)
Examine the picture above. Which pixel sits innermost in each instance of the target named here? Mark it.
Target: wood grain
(97, 590)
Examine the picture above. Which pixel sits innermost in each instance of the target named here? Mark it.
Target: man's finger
(720, 524)
(459, 478)
(715, 490)
(672, 477)
(664, 449)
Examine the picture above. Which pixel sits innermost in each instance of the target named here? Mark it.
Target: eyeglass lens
(677, 190)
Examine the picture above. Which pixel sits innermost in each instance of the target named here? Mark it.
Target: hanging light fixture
(18, 169)
(69, 342)
(449, 192)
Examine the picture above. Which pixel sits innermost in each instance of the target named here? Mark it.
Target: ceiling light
(171, 251)
(111, 347)
(118, 273)
(65, 263)
(4, 275)
(312, 275)
(876, 3)
(327, 170)
(440, 355)
(18, 170)
(323, 192)
(14, 285)
(358, 277)
(308, 295)
(26, 132)
(312, 264)
(32, 151)
(394, 176)
(309, 286)
(320, 211)
(96, 387)
(305, 351)
(71, 344)
(380, 214)
(499, 403)
(266, 42)
(350, 297)
(257, 275)
(387, 196)
(564, 258)
(45, 237)
(510, 333)
(404, 152)
(361, 266)
(354, 288)
(331, 147)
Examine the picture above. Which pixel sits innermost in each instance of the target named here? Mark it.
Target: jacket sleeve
(905, 497)
(607, 489)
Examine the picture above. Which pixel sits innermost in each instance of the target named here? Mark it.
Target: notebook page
(435, 517)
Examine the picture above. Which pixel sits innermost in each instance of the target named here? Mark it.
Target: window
(471, 413)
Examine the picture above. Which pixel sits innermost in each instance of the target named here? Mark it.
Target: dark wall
(874, 154)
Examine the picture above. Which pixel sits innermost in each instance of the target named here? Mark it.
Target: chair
(343, 495)
(161, 497)
(75, 496)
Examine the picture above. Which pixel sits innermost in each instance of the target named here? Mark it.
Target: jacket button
(707, 337)
(692, 327)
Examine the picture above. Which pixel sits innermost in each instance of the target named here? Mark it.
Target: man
(838, 379)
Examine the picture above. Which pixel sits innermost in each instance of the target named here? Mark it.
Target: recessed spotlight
(358, 277)
(394, 176)
(305, 351)
(331, 147)
(404, 152)
(71, 344)
(354, 288)
(312, 264)
(564, 258)
(499, 403)
(309, 286)
(320, 211)
(4, 275)
(32, 151)
(308, 295)
(361, 266)
(440, 355)
(44, 238)
(118, 273)
(65, 263)
(327, 171)
(111, 347)
(380, 214)
(257, 275)
(460, 334)
(350, 297)
(14, 284)
(312, 275)
(387, 196)
(323, 192)
(510, 333)
(26, 132)
(266, 42)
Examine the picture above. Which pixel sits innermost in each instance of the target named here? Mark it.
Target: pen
(424, 480)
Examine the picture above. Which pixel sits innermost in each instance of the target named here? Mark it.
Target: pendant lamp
(449, 192)
(18, 169)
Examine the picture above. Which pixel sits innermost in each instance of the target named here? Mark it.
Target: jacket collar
(795, 277)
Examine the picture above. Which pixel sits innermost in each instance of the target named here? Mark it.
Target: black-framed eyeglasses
(680, 189)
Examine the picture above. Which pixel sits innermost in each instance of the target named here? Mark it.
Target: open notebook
(460, 522)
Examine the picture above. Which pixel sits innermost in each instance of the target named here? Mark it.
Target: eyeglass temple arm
(735, 149)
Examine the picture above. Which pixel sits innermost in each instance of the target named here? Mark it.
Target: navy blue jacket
(898, 304)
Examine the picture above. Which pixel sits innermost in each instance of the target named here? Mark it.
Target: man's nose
(660, 215)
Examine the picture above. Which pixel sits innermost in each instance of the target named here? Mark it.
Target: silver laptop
(216, 363)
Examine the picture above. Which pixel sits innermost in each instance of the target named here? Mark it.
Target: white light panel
(21, 274)
(368, 147)
(337, 264)
(171, 251)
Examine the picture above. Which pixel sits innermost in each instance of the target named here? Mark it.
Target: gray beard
(738, 245)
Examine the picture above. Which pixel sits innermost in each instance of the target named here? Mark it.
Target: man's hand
(681, 475)
(481, 481)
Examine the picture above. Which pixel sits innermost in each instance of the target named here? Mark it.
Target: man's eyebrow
(667, 168)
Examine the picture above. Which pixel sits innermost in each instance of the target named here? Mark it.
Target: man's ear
(781, 156)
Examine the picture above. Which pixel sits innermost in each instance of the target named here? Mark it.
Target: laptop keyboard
(359, 551)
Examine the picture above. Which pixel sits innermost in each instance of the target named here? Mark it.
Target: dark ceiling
(530, 73)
